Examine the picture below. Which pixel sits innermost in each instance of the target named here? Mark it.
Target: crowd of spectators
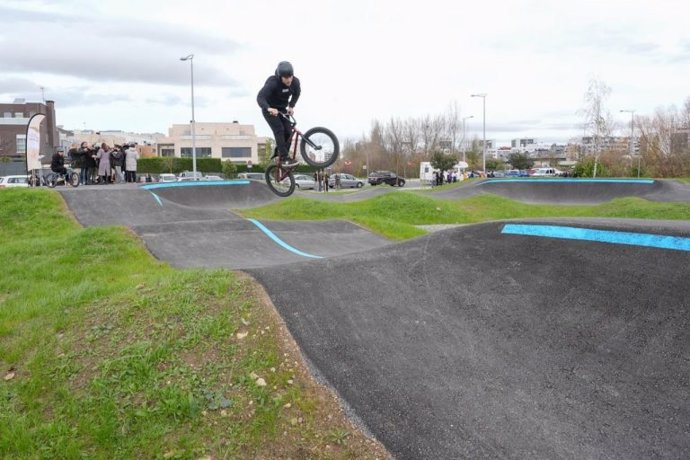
(103, 164)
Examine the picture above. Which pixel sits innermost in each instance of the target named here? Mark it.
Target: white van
(426, 172)
(547, 172)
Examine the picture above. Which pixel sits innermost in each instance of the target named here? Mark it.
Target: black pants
(131, 176)
(60, 170)
(282, 131)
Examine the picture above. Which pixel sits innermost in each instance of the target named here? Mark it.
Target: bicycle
(35, 179)
(70, 178)
(319, 148)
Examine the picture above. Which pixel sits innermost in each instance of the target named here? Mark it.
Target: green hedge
(160, 165)
(174, 165)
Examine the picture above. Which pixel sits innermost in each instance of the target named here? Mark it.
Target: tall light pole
(190, 58)
(483, 96)
(632, 133)
(464, 148)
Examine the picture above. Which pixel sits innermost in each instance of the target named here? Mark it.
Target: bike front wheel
(73, 179)
(51, 180)
(319, 147)
(280, 180)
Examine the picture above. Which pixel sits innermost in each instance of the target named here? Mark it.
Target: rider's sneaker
(288, 162)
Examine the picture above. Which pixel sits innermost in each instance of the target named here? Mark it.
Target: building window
(237, 152)
(21, 144)
(7, 115)
(201, 152)
(167, 152)
(18, 115)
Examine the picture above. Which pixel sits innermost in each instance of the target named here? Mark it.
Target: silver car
(304, 182)
(346, 181)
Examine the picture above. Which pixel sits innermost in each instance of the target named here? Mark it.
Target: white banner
(33, 142)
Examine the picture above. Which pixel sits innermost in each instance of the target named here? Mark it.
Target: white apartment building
(228, 141)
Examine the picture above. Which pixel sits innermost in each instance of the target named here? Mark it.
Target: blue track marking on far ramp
(651, 240)
(280, 242)
(158, 199)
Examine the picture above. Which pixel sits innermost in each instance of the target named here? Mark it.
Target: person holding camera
(83, 156)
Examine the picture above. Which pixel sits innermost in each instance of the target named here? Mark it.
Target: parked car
(304, 182)
(212, 177)
(346, 181)
(189, 175)
(386, 177)
(252, 176)
(166, 177)
(547, 172)
(14, 181)
(517, 173)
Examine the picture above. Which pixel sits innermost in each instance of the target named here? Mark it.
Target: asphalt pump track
(539, 339)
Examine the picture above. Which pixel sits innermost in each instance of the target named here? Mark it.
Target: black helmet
(284, 69)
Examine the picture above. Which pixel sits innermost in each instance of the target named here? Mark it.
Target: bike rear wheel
(319, 147)
(73, 179)
(51, 180)
(280, 180)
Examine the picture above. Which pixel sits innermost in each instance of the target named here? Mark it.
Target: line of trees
(664, 139)
(399, 145)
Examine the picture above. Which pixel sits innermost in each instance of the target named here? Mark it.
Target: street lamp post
(190, 58)
(483, 96)
(632, 133)
(464, 147)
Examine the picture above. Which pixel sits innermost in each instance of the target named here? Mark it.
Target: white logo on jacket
(285, 90)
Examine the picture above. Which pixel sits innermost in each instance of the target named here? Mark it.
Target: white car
(252, 176)
(167, 178)
(189, 175)
(213, 178)
(14, 181)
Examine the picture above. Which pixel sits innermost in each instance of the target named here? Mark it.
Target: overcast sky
(115, 64)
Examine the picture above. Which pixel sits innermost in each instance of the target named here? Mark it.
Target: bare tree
(453, 125)
(395, 142)
(598, 121)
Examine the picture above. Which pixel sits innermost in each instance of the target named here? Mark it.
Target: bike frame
(296, 134)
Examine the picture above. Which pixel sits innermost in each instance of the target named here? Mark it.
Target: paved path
(523, 339)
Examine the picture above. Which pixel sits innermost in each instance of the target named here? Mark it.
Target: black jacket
(278, 96)
(58, 162)
(117, 158)
(76, 157)
(87, 160)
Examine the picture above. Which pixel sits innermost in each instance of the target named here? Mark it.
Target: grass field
(107, 353)
(397, 215)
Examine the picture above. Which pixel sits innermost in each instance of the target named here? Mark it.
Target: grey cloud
(82, 96)
(166, 100)
(107, 51)
(145, 30)
(13, 85)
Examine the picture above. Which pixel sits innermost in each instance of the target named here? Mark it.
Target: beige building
(227, 141)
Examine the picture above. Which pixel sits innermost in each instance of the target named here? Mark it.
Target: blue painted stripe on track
(555, 179)
(195, 184)
(651, 240)
(157, 198)
(280, 242)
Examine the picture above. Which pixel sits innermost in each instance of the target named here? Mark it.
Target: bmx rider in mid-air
(279, 95)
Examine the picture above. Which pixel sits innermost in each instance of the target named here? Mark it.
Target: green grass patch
(107, 353)
(396, 215)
